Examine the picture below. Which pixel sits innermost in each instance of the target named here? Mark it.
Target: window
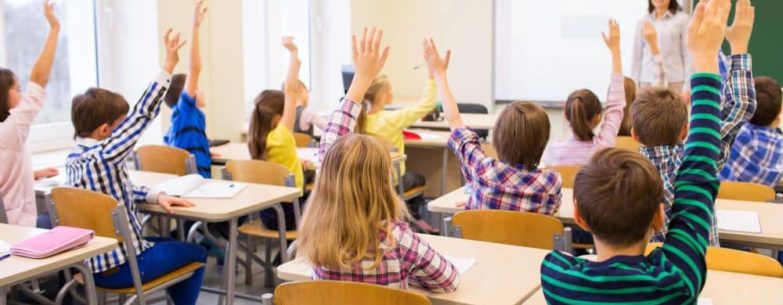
(23, 30)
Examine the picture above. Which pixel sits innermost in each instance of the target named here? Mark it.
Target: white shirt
(672, 40)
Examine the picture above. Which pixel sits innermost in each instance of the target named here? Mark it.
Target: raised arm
(43, 65)
(292, 88)
(368, 60)
(195, 50)
(613, 116)
(651, 38)
(438, 66)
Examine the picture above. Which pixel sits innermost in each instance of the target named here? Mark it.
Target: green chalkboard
(766, 44)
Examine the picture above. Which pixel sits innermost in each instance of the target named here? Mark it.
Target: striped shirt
(407, 260)
(757, 156)
(574, 152)
(100, 166)
(496, 185)
(675, 273)
(187, 131)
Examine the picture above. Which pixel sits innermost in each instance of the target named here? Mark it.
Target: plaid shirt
(739, 104)
(756, 156)
(499, 186)
(407, 260)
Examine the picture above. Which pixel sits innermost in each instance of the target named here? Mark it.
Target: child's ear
(635, 136)
(684, 133)
(579, 220)
(659, 221)
(104, 131)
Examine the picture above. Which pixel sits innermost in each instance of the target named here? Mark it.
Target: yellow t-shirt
(390, 124)
(281, 149)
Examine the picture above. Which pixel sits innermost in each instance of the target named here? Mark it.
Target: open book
(195, 186)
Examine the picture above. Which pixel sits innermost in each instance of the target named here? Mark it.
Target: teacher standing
(665, 64)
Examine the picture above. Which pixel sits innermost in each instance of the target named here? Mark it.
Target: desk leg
(89, 283)
(444, 171)
(3, 295)
(229, 269)
(281, 229)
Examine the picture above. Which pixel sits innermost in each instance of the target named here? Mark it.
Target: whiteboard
(544, 50)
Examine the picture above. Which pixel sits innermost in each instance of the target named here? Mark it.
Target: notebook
(195, 186)
(5, 249)
(57, 240)
(739, 221)
(462, 264)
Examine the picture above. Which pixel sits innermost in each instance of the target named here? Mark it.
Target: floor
(213, 278)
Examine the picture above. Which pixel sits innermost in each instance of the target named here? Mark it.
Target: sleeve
(16, 127)
(121, 142)
(186, 102)
(638, 54)
(660, 72)
(143, 194)
(428, 269)
(613, 116)
(739, 102)
(696, 185)
(341, 122)
(466, 145)
(311, 118)
(403, 118)
(686, 54)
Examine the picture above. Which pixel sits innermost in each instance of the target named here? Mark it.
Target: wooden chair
(269, 173)
(303, 140)
(165, 160)
(338, 293)
(98, 212)
(509, 227)
(746, 191)
(568, 172)
(627, 143)
(730, 260)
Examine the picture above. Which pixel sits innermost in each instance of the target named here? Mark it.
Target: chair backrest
(259, 172)
(730, 260)
(626, 142)
(568, 172)
(509, 227)
(338, 293)
(84, 209)
(164, 159)
(302, 139)
(489, 150)
(746, 191)
(472, 108)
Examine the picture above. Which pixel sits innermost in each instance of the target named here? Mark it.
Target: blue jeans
(166, 256)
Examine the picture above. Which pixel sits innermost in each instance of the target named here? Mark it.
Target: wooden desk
(771, 236)
(475, 121)
(15, 269)
(502, 274)
(724, 288)
(239, 151)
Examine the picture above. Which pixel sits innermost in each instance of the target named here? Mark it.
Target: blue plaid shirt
(756, 156)
(739, 104)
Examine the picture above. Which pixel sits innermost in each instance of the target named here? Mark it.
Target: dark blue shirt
(188, 125)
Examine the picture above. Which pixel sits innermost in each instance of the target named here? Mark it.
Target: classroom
(411, 152)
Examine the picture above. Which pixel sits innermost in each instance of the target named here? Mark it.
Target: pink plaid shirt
(496, 185)
(407, 260)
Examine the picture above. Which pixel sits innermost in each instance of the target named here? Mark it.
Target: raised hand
(168, 202)
(288, 43)
(368, 60)
(613, 39)
(741, 29)
(436, 63)
(172, 50)
(651, 37)
(706, 33)
(200, 14)
(51, 17)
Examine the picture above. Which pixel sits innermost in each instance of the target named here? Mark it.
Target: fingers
(377, 43)
(448, 58)
(385, 56)
(697, 19)
(167, 37)
(434, 47)
(181, 45)
(355, 48)
(363, 42)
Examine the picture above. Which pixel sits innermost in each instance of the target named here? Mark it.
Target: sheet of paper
(429, 136)
(216, 189)
(309, 154)
(462, 264)
(5, 249)
(739, 221)
(705, 301)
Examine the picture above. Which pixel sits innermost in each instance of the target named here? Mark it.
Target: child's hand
(45, 173)
(172, 50)
(739, 33)
(613, 39)
(367, 56)
(437, 64)
(650, 36)
(201, 13)
(288, 43)
(167, 202)
(51, 17)
(706, 33)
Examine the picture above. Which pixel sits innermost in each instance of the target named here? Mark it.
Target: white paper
(739, 221)
(462, 264)
(705, 301)
(5, 249)
(429, 136)
(180, 186)
(216, 189)
(309, 154)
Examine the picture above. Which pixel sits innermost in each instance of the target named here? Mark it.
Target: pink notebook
(52, 242)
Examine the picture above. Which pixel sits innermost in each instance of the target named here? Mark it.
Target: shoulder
(559, 261)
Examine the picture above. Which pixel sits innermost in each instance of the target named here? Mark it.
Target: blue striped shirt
(675, 273)
(188, 125)
(100, 167)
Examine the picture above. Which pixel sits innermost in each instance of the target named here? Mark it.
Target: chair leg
(268, 272)
(249, 262)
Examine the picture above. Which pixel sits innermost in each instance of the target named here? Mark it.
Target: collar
(668, 14)
(660, 152)
(86, 142)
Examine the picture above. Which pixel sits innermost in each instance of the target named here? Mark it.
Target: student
(756, 154)
(105, 137)
(271, 137)
(17, 113)
(583, 112)
(354, 226)
(389, 125)
(618, 196)
(630, 96)
(188, 123)
(660, 117)
(306, 118)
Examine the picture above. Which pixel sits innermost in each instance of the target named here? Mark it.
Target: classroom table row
(769, 216)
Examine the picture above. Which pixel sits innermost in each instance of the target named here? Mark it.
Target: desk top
(15, 269)
(475, 121)
(503, 274)
(253, 198)
(429, 138)
(725, 288)
(769, 216)
(239, 151)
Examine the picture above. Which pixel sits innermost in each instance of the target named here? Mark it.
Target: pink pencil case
(57, 240)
